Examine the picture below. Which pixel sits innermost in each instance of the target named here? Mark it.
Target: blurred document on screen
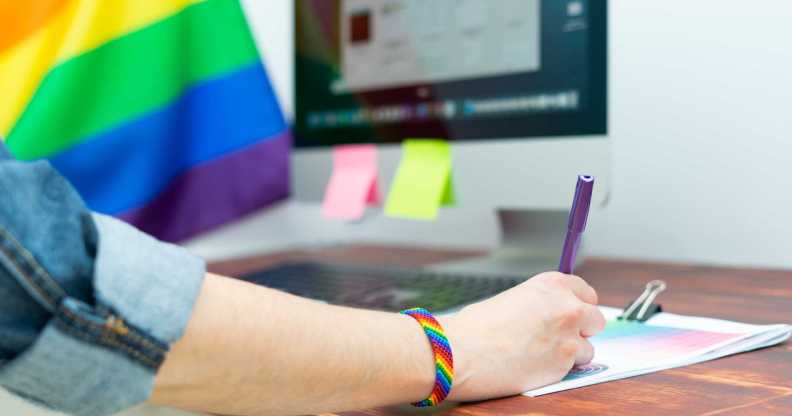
(395, 43)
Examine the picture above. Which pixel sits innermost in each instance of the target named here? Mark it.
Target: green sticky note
(423, 180)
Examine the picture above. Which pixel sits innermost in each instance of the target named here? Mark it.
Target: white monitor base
(531, 243)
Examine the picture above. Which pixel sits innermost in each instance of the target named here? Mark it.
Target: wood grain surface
(756, 383)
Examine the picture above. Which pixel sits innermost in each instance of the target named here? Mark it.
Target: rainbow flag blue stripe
(158, 111)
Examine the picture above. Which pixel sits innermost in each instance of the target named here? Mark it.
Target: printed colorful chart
(158, 111)
(627, 349)
(633, 340)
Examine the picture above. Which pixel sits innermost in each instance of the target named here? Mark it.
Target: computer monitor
(518, 87)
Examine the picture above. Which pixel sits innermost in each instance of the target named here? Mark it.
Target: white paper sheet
(628, 349)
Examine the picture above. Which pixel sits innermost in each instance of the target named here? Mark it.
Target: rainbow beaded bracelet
(444, 359)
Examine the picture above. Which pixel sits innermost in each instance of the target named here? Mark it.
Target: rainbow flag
(159, 112)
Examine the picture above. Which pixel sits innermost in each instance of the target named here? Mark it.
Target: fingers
(577, 351)
(592, 321)
(585, 352)
(575, 284)
(579, 287)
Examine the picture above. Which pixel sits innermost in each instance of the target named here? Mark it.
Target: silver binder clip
(642, 308)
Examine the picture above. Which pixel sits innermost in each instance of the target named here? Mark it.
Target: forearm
(252, 350)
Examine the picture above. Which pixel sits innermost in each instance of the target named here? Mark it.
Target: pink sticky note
(353, 183)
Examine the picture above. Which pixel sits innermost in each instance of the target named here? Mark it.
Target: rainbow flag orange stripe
(158, 111)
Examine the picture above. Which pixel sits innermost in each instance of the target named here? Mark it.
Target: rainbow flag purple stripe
(158, 111)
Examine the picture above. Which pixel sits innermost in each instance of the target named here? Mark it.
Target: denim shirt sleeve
(88, 304)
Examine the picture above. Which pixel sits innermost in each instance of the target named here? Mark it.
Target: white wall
(272, 23)
(702, 132)
(700, 96)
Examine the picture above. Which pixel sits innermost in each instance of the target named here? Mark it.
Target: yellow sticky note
(423, 180)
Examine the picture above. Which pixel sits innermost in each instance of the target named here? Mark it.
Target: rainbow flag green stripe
(158, 111)
(122, 81)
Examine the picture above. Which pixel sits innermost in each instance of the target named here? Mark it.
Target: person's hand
(524, 338)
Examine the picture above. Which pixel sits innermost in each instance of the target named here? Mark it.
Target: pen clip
(643, 308)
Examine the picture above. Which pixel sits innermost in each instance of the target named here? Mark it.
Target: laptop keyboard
(381, 288)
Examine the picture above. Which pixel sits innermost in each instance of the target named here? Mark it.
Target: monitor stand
(531, 242)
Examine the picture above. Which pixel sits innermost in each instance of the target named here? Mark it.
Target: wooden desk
(756, 383)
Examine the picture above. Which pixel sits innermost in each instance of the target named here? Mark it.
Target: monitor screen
(385, 70)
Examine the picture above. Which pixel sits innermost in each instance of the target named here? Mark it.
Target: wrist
(422, 366)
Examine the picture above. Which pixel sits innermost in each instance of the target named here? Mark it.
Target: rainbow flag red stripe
(158, 111)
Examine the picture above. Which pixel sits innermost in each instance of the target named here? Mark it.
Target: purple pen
(578, 215)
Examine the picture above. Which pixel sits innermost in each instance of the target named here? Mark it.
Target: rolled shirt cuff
(93, 360)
